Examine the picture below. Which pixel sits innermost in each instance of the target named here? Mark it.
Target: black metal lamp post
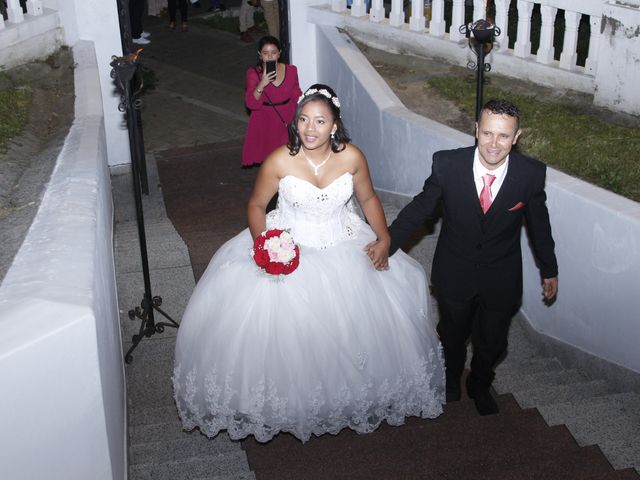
(483, 33)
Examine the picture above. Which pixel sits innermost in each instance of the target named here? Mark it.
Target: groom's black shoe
(482, 398)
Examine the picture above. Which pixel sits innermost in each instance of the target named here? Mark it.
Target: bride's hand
(378, 252)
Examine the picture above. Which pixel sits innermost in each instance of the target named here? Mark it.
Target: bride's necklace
(313, 165)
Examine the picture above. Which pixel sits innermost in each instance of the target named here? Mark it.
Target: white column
(338, 5)
(545, 50)
(417, 22)
(479, 10)
(502, 22)
(396, 17)
(34, 7)
(376, 14)
(457, 19)
(437, 26)
(14, 11)
(569, 56)
(522, 47)
(594, 43)
(358, 8)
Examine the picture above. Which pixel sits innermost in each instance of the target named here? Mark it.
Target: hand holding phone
(270, 69)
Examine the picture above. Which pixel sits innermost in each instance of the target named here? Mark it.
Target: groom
(486, 192)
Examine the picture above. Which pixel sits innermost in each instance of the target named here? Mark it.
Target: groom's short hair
(503, 107)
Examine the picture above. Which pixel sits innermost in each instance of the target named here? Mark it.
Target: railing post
(502, 22)
(522, 47)
(545, 50)
(594, 43)
(396, 17)
(14, 11)
(338, 5)
(358, 8)
(479, 10)
(437, 26)
(417, 22)
(34, 7)
(457, 20)
(376, 14)
(569, 56)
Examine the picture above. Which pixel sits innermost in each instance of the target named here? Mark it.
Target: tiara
(324, 92)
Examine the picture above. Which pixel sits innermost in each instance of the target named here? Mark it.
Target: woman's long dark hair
(339, 139)
(266, 40)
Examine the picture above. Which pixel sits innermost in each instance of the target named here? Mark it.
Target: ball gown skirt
(334, 344)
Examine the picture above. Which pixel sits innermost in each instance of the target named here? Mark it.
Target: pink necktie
(485, 194)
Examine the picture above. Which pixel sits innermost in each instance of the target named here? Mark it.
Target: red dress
(266, 131)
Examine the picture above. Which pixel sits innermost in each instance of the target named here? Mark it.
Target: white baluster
(502, 22)
(358, 9)
(34, 7)
(396, 17)
(1, 23)
(376, 14)
(457, 19)
(594, 42)
(479, 10)
(338, 5)
(522, 47)
(545, 50)
(568, 56)
(14, 11)
(437, 26)
(417, 22)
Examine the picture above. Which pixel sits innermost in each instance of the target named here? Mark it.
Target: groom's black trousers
(488, 329)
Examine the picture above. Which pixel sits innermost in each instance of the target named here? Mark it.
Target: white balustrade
(15, 13)
(569, 55)
(502, 22)
(376, 14)
(358, 8)
(338, 5)
(522, 47)
(457, 19)
(437, 26)
(545, 49)
(479, 10)
(396, 17)
(594, 43)
(417, 22)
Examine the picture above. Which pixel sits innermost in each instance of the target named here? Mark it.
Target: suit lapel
(509, 191)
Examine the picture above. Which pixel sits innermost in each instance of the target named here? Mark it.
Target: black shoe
(482, 398)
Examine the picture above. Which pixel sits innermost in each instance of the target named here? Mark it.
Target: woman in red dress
(272, 98)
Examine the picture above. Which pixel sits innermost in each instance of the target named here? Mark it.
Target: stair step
(157, 432)
(191, 445)
(529, 366)
(228, 463)
(545, 395)
(612, 422)
(153, 415)
(513, 381)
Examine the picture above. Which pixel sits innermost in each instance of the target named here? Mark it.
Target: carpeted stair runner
(205, 195)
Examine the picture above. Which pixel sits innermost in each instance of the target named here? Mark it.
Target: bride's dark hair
(322, 93)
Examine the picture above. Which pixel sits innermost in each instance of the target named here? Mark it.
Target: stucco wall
(62, 407)
(597, 232)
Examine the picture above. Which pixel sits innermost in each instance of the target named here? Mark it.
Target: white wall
(62, 408)
(598, 246)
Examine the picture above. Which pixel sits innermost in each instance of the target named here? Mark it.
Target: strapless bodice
(316, 217)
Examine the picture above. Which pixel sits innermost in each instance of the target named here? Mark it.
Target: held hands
(378, 252)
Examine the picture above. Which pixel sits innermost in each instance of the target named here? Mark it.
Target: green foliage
(582, 145)
(14, 112)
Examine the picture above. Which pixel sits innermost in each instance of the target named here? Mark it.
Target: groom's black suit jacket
(480, 254)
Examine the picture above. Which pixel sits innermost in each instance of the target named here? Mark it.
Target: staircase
(596, 410)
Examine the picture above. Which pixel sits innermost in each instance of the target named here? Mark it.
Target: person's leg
(454, 329)
(172, 6)
(272, 17)
(246, 21)
(136, 10)
(184, 8)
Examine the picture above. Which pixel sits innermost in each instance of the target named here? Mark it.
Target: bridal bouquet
(275, 252)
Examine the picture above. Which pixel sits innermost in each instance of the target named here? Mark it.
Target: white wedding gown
(334, 344)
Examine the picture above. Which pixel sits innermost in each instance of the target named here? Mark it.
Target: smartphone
(270, 66)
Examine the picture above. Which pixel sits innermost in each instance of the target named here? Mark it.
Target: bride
(344, 340)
